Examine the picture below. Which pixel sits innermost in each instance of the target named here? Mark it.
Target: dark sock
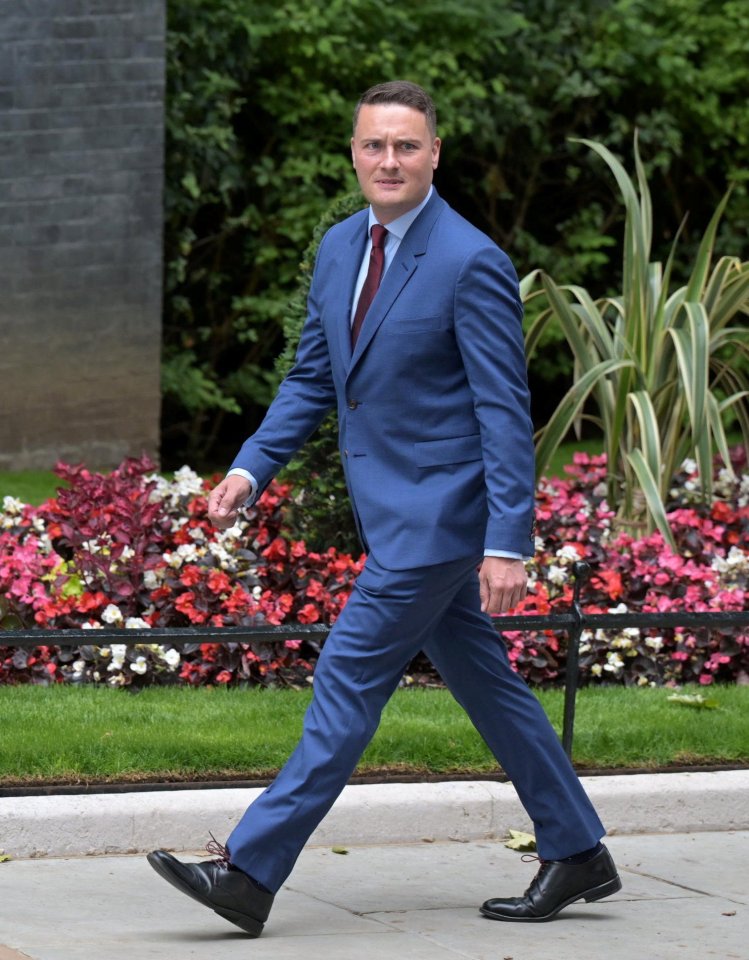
(584, 856)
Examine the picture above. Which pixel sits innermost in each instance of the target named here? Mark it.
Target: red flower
(219, 582)
(276, 550)
(308, 614)
(190, 575)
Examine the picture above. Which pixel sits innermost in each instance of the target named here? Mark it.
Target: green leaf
(650, 489)
(522, 842)
(695, 700)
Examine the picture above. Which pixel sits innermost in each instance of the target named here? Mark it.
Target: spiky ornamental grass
(661, 367)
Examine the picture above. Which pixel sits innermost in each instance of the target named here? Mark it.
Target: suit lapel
(405, 262)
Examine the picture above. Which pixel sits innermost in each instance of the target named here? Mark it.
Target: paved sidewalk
(685, 897)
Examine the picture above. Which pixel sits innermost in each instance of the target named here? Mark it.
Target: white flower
(619, 608)
(118, 651)
(150, 580)
(614, 663)
(187, 481)
(257, 592)
(127, 553)
(139, 665)
(91, 625)
(539, 544)
(689, 466)
(172, 659)
(596, 669)
(136, 623)
(12, 506)
(112, 614)
(568, 553)
(78, 667)
(188, 552)
(655, 643)
(557, 575)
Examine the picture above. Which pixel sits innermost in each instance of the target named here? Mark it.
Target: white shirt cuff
(508, 554)
(239, 472)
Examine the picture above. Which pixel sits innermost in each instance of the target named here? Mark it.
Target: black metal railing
(571, 622)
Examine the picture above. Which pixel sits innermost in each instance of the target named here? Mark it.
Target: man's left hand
(503, 584)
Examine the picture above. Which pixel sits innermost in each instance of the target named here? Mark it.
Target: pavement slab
(684, 897)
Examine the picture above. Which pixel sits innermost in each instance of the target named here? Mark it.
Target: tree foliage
(259, 102)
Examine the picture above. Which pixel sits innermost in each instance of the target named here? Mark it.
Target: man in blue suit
(414, 333)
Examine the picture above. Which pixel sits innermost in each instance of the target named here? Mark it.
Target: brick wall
(81, 172)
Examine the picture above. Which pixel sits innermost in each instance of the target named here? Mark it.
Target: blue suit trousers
(390, 616)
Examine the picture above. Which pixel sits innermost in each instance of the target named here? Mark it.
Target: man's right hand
(225, 500)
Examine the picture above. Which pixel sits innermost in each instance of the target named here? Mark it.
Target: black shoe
(217, 884)
(557, 885)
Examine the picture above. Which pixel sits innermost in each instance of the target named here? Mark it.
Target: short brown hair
(404, 93)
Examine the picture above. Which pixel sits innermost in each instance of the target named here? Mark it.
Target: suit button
(353, 404)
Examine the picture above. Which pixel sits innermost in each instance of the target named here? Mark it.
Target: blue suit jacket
(433, 405)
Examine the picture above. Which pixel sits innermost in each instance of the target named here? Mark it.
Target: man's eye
(409, 146)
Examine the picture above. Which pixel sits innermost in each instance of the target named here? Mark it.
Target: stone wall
(81, 176)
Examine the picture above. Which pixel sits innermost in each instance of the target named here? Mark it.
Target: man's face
(394, 157)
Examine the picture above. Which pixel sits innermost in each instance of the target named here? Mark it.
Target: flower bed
(130, 549)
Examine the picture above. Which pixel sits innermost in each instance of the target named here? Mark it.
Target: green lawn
(29, 486)
(86, 734)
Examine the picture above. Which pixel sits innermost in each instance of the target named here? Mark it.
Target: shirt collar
(400, 225)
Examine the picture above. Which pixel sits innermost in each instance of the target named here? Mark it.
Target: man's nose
(390, 157)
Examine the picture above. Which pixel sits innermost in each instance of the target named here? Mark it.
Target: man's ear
(436, 152)
(353, 155)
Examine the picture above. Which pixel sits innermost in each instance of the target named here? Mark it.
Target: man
(414, 332)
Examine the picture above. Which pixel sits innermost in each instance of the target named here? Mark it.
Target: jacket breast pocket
(435, 453)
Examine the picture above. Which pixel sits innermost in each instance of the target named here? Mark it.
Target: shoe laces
(218, 850)
(530, 858)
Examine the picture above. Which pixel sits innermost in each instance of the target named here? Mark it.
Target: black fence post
(581, 571)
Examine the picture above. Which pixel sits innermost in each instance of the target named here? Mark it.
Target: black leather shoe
(555, 886)
(217, 884)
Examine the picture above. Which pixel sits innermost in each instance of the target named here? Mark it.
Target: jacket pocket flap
(432, 453)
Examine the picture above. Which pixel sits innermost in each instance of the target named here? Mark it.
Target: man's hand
(503, 584)
(225, 500)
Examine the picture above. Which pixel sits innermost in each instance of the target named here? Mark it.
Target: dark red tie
(372, 281)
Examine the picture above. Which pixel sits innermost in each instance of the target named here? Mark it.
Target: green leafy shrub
(320, 512)
(659, 362)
